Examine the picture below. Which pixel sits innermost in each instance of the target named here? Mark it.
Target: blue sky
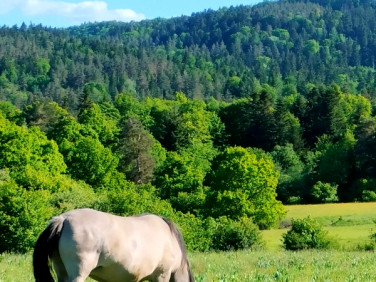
(63, 13)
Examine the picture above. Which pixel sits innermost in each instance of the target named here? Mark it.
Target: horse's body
(85, 242)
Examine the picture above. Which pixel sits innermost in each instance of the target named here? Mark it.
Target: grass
(348, 224)
(336, 214)
(14, 268)
(285, 266)
(247, 266)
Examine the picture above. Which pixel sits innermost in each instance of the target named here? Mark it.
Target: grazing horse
(87, 243)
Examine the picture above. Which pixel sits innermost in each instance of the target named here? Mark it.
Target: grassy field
(247, 266)
(348, 224)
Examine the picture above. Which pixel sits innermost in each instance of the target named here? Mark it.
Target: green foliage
(335, 159)
(324, 192)
(350, 111)
(87, 159)
(11, 113)
(55, 121)
(25, 150)
(291, 173)
(368, 196)
(180, 180)
(244, 184)
(312, 47)
(129, 199)
(129, 107)
(222, 234)
(135, 148)
(97, 92)
(275, 57)
(235, 235)
(305, 233)
(197, 232)
(69, 194)
(23, 215)
(97, 125)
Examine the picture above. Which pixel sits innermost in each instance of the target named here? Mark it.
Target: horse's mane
(179, 237)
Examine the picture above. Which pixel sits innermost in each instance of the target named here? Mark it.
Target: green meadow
(247, 266)
(349, 225)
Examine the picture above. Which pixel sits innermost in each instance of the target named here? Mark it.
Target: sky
(64, 13)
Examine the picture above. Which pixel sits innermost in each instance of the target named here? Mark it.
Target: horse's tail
(179, 237)
(46, 244)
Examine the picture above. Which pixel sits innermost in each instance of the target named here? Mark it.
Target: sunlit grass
(285, 266)
(15, 268)
(348, 224)
(336, 214)
(247, 266)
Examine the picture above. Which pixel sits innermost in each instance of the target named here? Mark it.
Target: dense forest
(214, 119)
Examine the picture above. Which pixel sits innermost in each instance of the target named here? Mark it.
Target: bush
(368, 196)
(197, 233)
(23, 215)
(222, 234)
(324, 192)
(305, 233)
(70, 194)
(235, 235)
(369, 245)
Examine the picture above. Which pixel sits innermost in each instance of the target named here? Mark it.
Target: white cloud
(86, 11)
(7, 6)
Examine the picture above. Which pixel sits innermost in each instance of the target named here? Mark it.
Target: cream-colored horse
(87, 243)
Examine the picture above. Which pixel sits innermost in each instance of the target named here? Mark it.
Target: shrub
(305, 233)
(235, 235)
(222, 234)
(369, 245)
(70, 194)
(324, 192)
(131, 199)
(368, 196)
(197, 233)
(23, 215)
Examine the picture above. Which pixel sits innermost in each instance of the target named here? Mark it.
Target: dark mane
(179, 237)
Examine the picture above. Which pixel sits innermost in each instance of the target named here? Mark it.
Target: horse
(86, 243)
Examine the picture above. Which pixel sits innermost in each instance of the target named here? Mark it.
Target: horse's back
(117, 246)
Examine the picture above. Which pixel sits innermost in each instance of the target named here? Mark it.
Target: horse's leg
(164, 277)
(79, 266)
(182, 275)
(59, 267)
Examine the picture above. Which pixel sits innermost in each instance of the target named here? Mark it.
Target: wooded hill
(223, 54)
(213, 119)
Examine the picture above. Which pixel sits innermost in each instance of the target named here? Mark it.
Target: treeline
(224, 54)
(129, 157)
(95, 116)
(220, 169)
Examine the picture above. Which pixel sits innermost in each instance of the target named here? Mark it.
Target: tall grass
(14, 268)
(247, 266)
(285, 266)
(349, 225)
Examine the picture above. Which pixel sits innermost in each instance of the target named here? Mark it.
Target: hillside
(215, 120)
(224, 54)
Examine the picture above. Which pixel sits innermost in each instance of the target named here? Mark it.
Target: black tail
(174, 230)
(45, 245)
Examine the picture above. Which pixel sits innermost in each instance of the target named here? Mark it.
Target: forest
(216, 120)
